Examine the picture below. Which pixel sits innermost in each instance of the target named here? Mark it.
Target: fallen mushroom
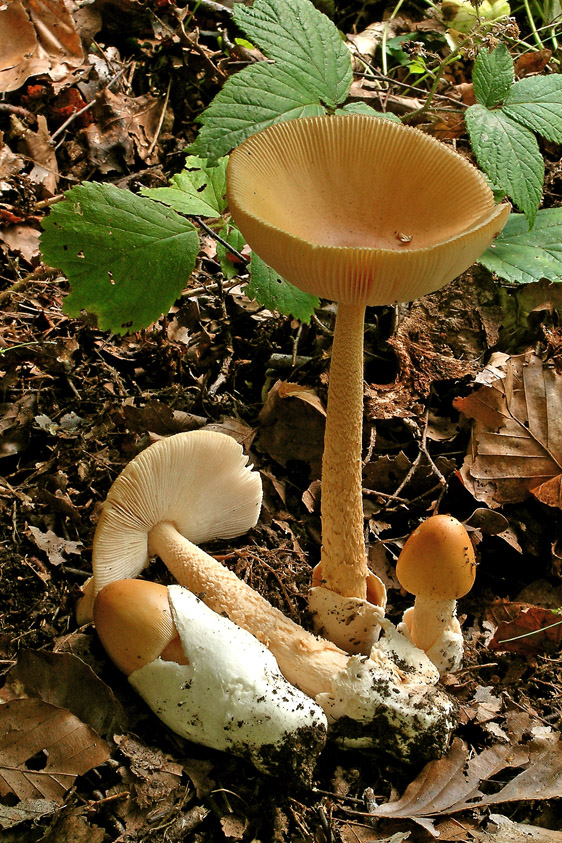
(204, 468)
(207, 679)
(363, 211)
(368, 702)
(438, 565)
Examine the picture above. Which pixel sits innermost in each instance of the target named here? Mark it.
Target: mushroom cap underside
(360, 209)
(437, 560)
(199, 481)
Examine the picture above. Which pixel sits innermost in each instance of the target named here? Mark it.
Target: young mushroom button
(438, 565)
(364, 211)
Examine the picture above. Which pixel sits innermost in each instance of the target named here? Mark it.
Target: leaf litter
(137, 780)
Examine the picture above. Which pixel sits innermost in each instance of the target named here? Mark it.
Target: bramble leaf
(536, 102)
(492, 76)
(296, 34)
(363, 108)
(127, 258)
(311, 72)
(251, 100)
(198, 190)
(273, 292)
(523, 256)
(510, 156)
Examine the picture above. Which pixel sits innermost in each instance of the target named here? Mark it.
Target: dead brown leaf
(533, 630)
(289, 410)
(55, 547)
(516, 441)
(453, 783)
(37, 36)
(43, 749)
(64, 680)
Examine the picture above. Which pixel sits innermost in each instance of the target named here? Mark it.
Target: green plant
(128, 257)
(503, 122)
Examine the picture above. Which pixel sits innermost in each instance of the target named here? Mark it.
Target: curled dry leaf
(453, 783)
(43, 749)
(516, 442)
(36, 38)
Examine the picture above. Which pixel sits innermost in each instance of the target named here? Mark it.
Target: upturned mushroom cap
(360, 209)
(437, 560)
(199, 481)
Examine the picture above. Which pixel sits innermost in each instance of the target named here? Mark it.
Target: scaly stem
(343, 563)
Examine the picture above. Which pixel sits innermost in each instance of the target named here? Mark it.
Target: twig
(160, 122)
(88, 106)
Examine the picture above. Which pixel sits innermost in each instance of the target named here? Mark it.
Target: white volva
(232, 695)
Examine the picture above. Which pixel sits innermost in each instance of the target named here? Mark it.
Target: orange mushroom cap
(437, 561)
(134, 623)
(360, 209)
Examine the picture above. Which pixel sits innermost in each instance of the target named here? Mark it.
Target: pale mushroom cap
(360, 209)
(199, 481)
(437, 561)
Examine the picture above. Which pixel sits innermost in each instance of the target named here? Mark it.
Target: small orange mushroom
(438, 565)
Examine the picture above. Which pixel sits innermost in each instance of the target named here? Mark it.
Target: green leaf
(536, 102)
(127, 258)
(509, 154)
(256, 97)
(304, 40)
(273, 292)
(232, 235)
(363, 108)
(199, 189)
(492, 76)
(523, 256)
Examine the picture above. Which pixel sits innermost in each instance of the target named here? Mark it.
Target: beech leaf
(43, 749)
(516, 442)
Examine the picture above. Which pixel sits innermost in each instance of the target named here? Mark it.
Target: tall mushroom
(437, 565)
(150, 509)
(206, 678)
(363, 211)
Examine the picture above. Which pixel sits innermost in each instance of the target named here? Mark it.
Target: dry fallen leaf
(533, 630)
(292, 424)
(516, 442)
(43, 749)
(54, 546)
(452, 783)
(64, 680)
(36, 37)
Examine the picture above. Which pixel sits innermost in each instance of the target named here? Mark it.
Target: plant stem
(343, 563)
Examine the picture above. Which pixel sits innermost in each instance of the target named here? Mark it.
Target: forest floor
(78, 403)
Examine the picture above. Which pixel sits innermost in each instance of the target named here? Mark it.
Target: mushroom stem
(305, 660)
(430, 618)
(344, 564)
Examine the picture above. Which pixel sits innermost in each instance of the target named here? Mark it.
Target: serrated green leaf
(492, 76)
(305, 41)
(509, 154)
(523, 256)
(536, 102)
(198, 190)
(251, 100)
(127, 258)
(363, 108)
(232, 235)
(270, 290)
